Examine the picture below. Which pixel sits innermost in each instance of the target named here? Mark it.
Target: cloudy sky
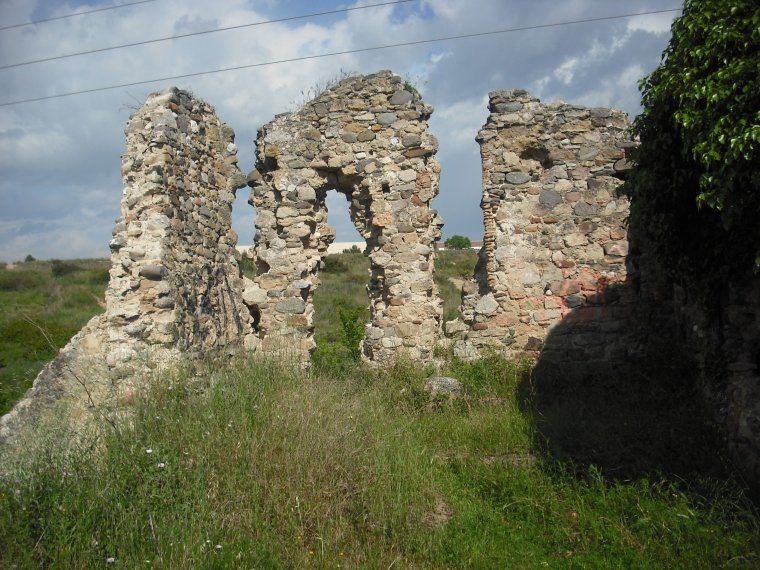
(59, 159)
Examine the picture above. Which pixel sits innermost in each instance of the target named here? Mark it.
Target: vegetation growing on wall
(695, 193)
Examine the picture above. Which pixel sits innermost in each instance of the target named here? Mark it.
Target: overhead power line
(199, 33)
(32, 23)
(334, 53)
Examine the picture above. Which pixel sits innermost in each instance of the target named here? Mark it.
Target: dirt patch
(440, 515)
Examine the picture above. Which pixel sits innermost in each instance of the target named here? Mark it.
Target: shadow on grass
(642, 417)
(627, 423)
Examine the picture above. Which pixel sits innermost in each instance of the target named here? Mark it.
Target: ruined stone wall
(555, 243)
(175, 287)
(175, 280)
(366, 138)
(722, 332)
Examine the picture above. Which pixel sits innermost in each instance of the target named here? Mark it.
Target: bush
(352, 328)
(458, 242)
(695, 191)
(29, 340)
(29, 258)
(18, 280)
(334, 264)
(60, 268)
(248, 266)
(98, 276)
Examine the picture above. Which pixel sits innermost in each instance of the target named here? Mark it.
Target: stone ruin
(175, 285)
(555, 243)
(175, 282)
(176, 288)
(366, 138)
(554, 280)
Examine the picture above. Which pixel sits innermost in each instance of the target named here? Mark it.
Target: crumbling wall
(555, 243)
(366, 138)
(722, 332)
(175, 286)
(175, 281)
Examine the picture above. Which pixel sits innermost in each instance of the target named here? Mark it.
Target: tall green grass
(261, 464)
(44, 305)
(253, 463)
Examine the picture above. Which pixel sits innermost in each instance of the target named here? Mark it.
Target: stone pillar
(175, 287)
(174, 280)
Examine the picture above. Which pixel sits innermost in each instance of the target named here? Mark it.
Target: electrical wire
(75, 14)
(199, 33)
(335, 53)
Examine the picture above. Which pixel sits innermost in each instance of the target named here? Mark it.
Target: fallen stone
(437, 386)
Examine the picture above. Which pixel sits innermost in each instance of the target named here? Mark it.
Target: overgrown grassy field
(43, 304)
(259, 464)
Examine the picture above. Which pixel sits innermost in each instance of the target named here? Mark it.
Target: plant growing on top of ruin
(695, 191)
(320, 86)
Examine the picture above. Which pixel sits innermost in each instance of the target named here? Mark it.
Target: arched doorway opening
(366, 138)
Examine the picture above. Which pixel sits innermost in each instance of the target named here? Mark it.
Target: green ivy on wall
(695, 191)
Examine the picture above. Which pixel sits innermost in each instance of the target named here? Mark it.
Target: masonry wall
(722, 332)
(367, 138)
(555, 243)
(174, 279)
(175, 287)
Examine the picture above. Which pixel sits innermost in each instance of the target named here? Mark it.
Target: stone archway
(367, 138)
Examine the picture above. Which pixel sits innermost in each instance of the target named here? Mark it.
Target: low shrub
(334, 264)
(18, 280)
(60, 268)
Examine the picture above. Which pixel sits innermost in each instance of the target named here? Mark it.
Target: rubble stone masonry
(555, 279)
(555, 245)
(367, 138)
(175, 281)
(175, 287)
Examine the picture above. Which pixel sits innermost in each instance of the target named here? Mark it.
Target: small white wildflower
(161, 465)
(110, 560)
(218, 546)
(149, 451)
